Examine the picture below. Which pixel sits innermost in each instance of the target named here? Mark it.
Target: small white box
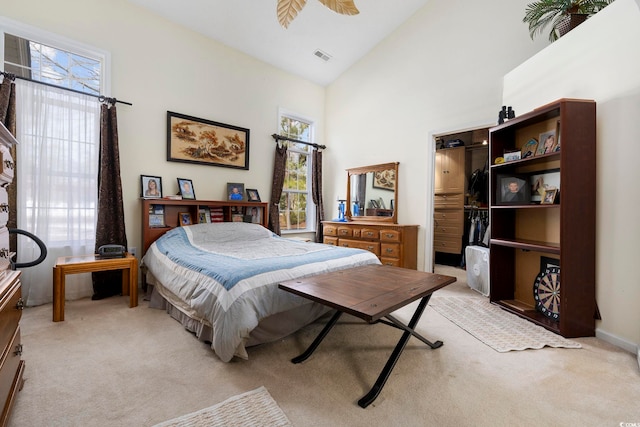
(477, 261)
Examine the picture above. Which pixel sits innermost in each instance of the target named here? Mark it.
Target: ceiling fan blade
(343, 7)
(288, 9)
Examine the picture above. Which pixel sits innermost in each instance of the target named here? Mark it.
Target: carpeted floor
(108, 365)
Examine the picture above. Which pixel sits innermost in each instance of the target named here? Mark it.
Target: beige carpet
(495, 327)
(253, 408)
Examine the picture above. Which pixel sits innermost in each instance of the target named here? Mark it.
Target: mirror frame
(366, 169)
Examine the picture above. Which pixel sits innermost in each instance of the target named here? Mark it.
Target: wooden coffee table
(92, 263)
(371, 293)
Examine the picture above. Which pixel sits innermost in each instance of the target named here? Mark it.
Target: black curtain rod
(101, 98)
(286, 138)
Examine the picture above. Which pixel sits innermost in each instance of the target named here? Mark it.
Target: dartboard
(546, 292)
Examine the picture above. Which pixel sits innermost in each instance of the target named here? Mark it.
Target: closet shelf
(528, 245)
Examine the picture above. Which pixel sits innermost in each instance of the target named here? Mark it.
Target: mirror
(372, 193)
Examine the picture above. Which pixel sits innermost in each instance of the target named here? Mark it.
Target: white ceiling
(252, 27)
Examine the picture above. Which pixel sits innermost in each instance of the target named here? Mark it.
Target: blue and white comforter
(228, 274)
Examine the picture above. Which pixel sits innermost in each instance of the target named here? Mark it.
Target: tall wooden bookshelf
(161, 215)
(525, 232)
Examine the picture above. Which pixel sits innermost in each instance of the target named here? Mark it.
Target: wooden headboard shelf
(161, 215)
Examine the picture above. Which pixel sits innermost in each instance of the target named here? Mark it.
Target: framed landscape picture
(205, 142)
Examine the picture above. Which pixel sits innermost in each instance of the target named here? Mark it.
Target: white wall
(440, 71)
(159, 66)
(600, 60)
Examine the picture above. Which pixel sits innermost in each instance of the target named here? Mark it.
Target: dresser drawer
(390, 235)
(4, 243)
(441, 201)
(6, 164)
(450, 230)
(345, 231)
(359, 244)
(333, 241)
(10, 367)
(369, 233)
(329, 230)
(456, 215)
(4, 206)
(395, 262)
(390, 250)
(445, 244)
(10, 311)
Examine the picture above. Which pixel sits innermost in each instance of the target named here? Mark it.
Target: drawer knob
(369, 233)
(389, 250)
(389, 235)
(370, 248)
(20, 304)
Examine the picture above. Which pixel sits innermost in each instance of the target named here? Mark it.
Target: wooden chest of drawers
(11, 364)
(11, 302)
(394, 244)
(448, 230)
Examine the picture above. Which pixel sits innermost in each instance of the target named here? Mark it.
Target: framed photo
(252, 195)
(150, 187)
(185, 186)
(255, 214)
(385, 179)
(529, 148)
(512, 189)
(184, 218)
(549, 197)
(205, 142)
(235, 191)
(546, 143)
(510, 156)
(540, 183)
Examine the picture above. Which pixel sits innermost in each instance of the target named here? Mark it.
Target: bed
(220, 280)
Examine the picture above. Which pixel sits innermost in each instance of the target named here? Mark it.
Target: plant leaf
(343, 7)
(288, 9)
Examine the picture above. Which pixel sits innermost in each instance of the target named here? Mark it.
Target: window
(59, 135)
(58, 127)
(297, 210)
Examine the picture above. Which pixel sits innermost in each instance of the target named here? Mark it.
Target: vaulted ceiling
(318, 45)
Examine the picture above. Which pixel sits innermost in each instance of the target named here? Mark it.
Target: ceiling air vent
(322, 55)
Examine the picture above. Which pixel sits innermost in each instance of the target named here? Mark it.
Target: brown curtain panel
(110, 228)
(8, 118)
(316, 192)
(279, 165)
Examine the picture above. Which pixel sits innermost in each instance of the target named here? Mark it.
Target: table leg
(125, 280)
(58, 294)
(133, 284)
(367, 399)
(318, 339)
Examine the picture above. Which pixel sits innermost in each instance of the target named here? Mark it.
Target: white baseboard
(618, 342)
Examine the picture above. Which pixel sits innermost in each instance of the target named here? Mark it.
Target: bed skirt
(269, 329)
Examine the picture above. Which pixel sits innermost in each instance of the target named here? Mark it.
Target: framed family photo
(546, 143)
(184, 218)
(235, 191)
(151, 187)
(205, 142)
(252, 195)
(185, 186)
(513, 190)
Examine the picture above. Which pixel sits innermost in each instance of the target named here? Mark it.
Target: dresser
(393, 244)
(11, 302)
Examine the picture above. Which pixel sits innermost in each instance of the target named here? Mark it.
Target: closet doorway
(460, 194)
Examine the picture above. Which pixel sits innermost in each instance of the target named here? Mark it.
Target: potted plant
(563, 15)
